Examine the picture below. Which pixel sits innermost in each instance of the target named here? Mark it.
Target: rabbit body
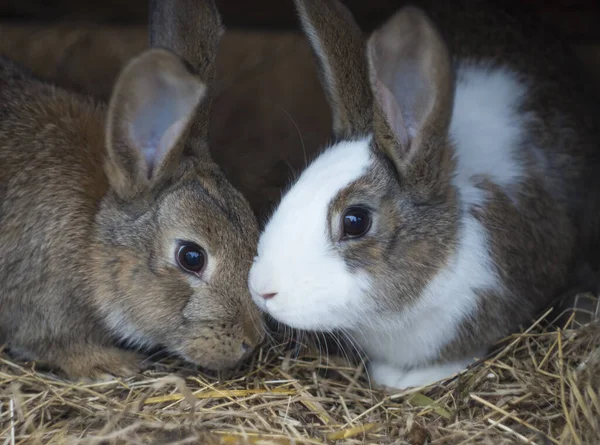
(457, 201)
(116, 227)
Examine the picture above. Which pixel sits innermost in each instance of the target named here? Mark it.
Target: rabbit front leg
(95, 362)
(86, 362)
(394, 377)
(76, 346)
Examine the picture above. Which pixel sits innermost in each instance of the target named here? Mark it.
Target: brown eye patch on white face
(354, 219)
(353, 213)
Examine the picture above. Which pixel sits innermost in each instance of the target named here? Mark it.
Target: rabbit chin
(214, 356)
(310, 316)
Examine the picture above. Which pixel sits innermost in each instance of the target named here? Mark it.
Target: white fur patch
(487, 128)
(393, 377)
(294, 256)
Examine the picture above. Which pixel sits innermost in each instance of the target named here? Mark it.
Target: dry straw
(541, 386)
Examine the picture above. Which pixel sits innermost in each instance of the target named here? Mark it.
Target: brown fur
(536, 240)
(88, 231)
(534, 254)
(328, 21)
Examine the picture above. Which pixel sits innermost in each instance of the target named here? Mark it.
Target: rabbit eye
(191, 257)
(357, 222)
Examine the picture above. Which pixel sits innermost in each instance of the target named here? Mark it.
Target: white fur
(295, 261)
(486, 128)
(294, 255)
(393, 377)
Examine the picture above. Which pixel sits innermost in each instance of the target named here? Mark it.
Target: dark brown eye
(357, 222)
(191, 257)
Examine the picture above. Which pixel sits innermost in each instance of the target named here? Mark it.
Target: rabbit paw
(101, 364)
(389, 376)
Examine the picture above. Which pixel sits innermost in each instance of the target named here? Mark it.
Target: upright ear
(339, 47)
(152, 104)
(413, 87)
(191, 29)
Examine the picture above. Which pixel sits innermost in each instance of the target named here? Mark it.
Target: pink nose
(269, 296)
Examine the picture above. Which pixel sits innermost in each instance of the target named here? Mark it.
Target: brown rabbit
(115, 225)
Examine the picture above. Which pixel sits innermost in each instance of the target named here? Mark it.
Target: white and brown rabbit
(453, 205)
(115, 224)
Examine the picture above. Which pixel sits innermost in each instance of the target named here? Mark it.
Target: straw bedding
(541, 386)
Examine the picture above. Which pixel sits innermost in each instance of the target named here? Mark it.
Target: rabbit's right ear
(339, 46)
(413, 84)
(150, 111)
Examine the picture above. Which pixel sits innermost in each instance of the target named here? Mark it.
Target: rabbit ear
(152, 104)
(191, 29)
(339, 47)
(413, 86)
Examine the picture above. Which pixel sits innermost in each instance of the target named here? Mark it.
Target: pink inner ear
(392, 113)
(170, 137)
(155, 147)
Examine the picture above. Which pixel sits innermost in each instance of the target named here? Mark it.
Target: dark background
(579, 20)
(269, 114)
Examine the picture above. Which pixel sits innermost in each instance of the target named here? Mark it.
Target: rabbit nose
(269, 295)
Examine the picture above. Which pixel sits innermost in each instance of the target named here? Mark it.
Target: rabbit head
(174, 239)
(356, 213)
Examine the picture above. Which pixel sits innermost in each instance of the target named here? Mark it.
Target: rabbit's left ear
(413, 86)
(151, 107)
(339, 46)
